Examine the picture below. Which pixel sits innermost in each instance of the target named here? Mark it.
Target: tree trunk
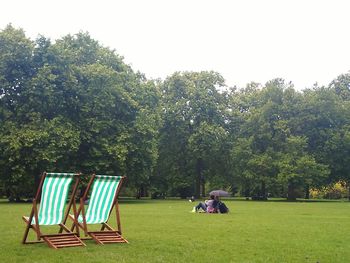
(138, 194)
(141, 192)
(307, 191)
(199, 171)
(203, 187)
(291, 193)
(263, 194)
(246, 190)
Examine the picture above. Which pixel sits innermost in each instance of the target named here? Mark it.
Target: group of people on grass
(212, 205)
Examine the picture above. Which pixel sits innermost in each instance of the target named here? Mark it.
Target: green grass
(165, 231)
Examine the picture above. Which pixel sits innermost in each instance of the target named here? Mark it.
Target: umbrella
(219, 193)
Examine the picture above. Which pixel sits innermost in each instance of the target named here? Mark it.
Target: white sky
(303, 41)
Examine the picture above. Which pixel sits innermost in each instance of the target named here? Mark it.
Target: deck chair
(52, 195)
(103, 197)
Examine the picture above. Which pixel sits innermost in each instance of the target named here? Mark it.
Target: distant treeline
(74, 105)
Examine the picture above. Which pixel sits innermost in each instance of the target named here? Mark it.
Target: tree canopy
(75, 105)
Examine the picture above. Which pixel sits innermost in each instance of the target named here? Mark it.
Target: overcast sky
(303, 41)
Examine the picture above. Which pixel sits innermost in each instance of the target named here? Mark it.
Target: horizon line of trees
(74, 105)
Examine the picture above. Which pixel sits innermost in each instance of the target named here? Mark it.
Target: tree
(297, 168)
(193, 111)
(15, 67)
(341, 86)
(72, 105)
(142, 154)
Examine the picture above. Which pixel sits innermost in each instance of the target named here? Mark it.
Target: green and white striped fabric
(53, 198)
(101, 200)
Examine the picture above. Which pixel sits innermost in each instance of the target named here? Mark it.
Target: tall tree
(72, 105)
(193, 112)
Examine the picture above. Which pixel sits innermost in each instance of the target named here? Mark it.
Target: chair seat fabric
(53, 198)
(101, 200)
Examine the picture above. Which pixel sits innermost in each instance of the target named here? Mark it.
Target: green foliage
(333, 191)
(192, 133)
(341, 86)
(74, 105)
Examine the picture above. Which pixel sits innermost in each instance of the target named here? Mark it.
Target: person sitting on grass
(206, 206)
(215, 205)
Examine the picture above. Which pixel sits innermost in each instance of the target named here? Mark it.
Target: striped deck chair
(52, 195)
(103, 197)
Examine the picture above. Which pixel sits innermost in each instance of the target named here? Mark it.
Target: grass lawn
(165, 231)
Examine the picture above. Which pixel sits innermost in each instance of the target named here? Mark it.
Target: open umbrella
(219, 193)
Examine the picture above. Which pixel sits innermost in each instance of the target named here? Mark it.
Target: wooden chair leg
(75, 222)
(24, 240)
(118, 217)
(26, 232)
(38, 234)
(63, 227)
(84, 218)
(105, 225)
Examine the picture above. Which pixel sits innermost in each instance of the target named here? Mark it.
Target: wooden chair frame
(60, 240)
(103, 236)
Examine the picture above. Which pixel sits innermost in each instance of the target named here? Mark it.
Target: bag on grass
(223, 208)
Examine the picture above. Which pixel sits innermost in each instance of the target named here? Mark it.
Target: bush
(334, 191)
